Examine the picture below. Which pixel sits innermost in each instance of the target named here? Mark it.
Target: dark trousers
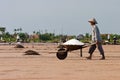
(93, 47)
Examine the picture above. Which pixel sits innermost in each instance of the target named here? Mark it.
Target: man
(96, 39)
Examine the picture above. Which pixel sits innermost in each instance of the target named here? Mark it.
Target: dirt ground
(14, 65)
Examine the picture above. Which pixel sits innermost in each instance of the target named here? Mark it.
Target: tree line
(37, 36)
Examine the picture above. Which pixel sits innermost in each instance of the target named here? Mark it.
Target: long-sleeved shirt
(96, 34)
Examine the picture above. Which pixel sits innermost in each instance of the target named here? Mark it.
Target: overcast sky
(60, 16)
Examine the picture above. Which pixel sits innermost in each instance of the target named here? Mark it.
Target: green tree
(2, 29)
(23, 37)
(46, 36)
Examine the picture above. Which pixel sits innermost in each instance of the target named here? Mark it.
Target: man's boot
(89, 57)
(103, 57)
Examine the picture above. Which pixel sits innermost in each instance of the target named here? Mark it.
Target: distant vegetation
(52, 37)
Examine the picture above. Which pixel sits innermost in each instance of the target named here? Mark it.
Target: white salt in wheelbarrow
(70, 45)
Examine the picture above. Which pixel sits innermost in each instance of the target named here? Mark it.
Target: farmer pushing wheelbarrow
(74, 44)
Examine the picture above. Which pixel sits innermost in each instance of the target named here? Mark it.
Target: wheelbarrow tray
(64, 49)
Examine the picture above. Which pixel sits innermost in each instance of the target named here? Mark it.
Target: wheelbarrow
(68, 46)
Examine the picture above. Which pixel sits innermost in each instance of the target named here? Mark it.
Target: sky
(60, 16)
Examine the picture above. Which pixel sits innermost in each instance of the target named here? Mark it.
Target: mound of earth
(19, 46)
(31, 52)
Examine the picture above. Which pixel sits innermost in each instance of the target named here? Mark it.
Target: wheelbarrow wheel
(61, 54)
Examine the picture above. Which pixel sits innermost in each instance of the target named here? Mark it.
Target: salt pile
(73, 42)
